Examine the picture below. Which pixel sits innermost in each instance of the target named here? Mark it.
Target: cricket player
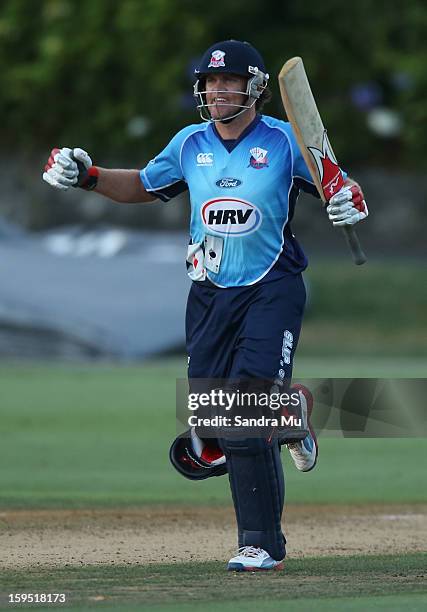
(243, 171)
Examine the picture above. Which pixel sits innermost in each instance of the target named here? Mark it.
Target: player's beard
(226, 116)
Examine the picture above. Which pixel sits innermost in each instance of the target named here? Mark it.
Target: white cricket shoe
(251, 559)
(304, 453)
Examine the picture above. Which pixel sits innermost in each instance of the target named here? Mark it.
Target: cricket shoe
(304, 452)
(251, 559)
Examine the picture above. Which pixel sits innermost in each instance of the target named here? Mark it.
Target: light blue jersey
(242, 194)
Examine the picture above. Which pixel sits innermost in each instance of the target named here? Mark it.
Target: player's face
(222, 102)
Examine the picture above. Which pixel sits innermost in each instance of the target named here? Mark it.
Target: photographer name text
(239, 421)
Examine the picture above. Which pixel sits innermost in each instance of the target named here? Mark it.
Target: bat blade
(312, 138)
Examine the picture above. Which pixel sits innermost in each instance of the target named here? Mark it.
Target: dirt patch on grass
(145, 535)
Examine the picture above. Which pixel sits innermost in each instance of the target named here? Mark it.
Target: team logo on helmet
(217, 59)
(258, 158)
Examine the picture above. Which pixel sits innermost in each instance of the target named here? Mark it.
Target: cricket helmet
(232, 57)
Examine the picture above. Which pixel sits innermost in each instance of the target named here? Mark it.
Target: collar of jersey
(232, 144)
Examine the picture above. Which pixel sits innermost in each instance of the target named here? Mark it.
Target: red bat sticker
(327, 167)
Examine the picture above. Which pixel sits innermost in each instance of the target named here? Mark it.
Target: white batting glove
(67, 168)
(348, 206)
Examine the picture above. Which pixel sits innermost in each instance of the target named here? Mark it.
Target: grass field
(99, 436)
(378, 309)
(79, 436)
(353, 583)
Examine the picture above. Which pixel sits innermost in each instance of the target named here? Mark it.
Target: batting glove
(67, 168)
(347, 206)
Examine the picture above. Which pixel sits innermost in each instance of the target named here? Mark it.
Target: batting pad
(258, 489)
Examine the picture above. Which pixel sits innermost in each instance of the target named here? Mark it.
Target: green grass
(388, 603)
(372, 582)
(372, 292)
(99, 436)
(94, 436)
(359, 367)
(376, 309)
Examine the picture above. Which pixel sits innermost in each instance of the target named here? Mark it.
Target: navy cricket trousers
(244, 332)
(247, 333)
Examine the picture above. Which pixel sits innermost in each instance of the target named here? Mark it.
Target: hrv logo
(231, 216)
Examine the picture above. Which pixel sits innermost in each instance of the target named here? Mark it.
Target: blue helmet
(233, 57)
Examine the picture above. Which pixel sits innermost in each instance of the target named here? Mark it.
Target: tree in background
(116, 76)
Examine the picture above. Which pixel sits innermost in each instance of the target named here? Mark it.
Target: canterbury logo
(204, 159)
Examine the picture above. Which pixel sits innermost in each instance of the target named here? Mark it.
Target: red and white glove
(67, 168)
(347, 206)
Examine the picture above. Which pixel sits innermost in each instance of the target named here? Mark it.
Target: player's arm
(73, 168)
(123, 186)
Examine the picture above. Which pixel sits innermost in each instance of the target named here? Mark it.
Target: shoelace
(299, 446)
(250, 551)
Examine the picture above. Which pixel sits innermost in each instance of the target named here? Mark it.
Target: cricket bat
(313, 141)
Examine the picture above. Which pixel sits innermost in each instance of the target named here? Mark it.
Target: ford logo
(228, 183)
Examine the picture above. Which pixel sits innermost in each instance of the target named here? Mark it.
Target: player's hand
(67, 168)
(348, 206)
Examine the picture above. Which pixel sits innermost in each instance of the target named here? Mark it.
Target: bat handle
(359, 256)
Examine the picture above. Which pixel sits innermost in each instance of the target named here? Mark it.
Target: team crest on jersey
(231, 216)
(258, 158)
(217, 59)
